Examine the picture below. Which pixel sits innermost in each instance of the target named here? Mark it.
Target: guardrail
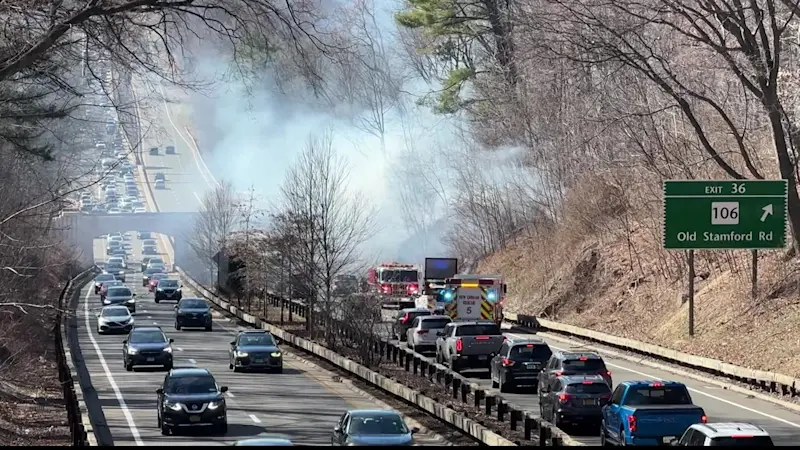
(76, 409)
(768, 381)
(459, 388)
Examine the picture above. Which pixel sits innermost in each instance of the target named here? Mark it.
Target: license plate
(258, 361)
(483, 357)
(152, 359)
(530, 366)
(194, 418)
(588, 401)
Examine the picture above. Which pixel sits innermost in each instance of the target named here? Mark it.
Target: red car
(154, 281)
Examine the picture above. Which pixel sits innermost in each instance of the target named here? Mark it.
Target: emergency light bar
(405, 266)
(475, 283)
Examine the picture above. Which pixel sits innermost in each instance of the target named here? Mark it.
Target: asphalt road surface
(720, 405)
(302, 403)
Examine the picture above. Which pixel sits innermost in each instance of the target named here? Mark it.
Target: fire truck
(474, 297)
(396, 283)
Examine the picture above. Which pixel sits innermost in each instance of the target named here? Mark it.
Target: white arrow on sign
(767, 212)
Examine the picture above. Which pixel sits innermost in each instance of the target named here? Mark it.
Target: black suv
(168, 289)
(255, 349)
(147, 346)
(574, 400)
(191, 397)
(566, 362)
(193, 312)
(518, 363)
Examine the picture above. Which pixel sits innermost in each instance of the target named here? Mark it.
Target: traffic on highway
(165, 368)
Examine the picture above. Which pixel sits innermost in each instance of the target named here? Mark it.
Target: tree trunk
(787, 171)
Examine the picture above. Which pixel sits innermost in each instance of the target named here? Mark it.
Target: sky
(255, 135)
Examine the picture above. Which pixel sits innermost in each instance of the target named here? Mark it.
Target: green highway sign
(725, 214)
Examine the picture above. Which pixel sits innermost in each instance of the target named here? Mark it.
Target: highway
(720, 405)
(302, 403)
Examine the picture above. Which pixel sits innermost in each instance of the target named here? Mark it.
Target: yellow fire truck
(474, 297)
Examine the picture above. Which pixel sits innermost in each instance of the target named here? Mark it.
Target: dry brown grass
(603, 268)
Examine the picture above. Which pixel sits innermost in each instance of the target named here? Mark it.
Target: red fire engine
(394, 279)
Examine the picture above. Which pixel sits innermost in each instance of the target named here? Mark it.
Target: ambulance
(473, 297)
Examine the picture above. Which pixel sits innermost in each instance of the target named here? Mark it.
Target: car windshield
(488, 329)
(115, 312)
(114, 243)
(159, 276)
(398, 276)
(168, 283)
(120, 291)
(664, 395)
(435, 324)
(156, 261)
(104, 277)
(149, 242)
(201, 384)
(742, 441)
(153, 270)
(592, 365)
(194, 303)
(530, 352)
(377, 425)
(147, 337)
(589, 387)
(114, 266)
(256, 340)
(113, 283)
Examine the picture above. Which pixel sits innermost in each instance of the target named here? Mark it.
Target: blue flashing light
(448, 295)
(491, 295)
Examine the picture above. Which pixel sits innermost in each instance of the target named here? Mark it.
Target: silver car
(121, 296)
(423, 332)
(114, 319)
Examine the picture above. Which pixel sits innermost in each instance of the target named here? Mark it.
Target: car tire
(157, 300)
(504, 387)
(209, 328)
(223, 428)
(168, 367)
(454, 366)
(177, 326)
(230, 366)
(165, 431)
(279, 369)
(128, 366)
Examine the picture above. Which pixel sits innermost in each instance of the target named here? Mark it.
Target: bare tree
(220, 215)
(363, 325)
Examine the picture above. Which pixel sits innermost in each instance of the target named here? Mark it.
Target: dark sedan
(148, 273)
(255, 349)
(147, 346)
(193, 313)
(168, 289)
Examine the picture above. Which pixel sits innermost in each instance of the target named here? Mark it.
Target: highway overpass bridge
(80, 229)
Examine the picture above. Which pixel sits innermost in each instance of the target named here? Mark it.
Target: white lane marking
(183, 138)
(255, 419)
(191, 361)
(149, 317)
(155, 323)
(179, 349)
(117, 393)
(230, 394)
(706, 394)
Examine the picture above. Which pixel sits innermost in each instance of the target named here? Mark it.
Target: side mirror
(414, 430)
(674, 442)
(337, 429)
(171, 340)
(134, 295)
(223, 389)
(175, 307)
(125, 341)
(160, 391)
(233, 343)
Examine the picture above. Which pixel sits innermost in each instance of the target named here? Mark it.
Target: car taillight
(558, 374)
(481, 338)
(459, 345)
(656, 384)
(422, 331)
(412, 288)
(583, 358)
(507, 362)
(704, 419)
(563, 398)
(404, 319)
(386, 288)
(588, 382)
(632, 423)
(606, 373)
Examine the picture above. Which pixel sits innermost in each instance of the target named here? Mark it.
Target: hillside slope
(607, 272)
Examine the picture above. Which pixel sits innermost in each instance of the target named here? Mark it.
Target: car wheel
(157, 300)
(177, 326)
(223, 428)
(279, 369)
(208, 328)
(128, 366)
(168, 367)
(165, 430)
(230, 366)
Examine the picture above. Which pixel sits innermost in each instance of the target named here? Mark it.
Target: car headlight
(168, 349)
(106, 301)
(159, 289)
(132, 351)
(172, 405)
(241, 354)
(276, 354)
(131, 301)
(215, 405)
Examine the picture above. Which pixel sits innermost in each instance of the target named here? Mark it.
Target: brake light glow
(563, 398)
(386, 288)
(558, 374)
(412, 288)
(482, 338)
(529, 346)
(459, 345)
(608, 372)
(704, 419)
(583, 358)
(742, 436)
(588, 382)
(507, 362)
(404, 319)
(656, 384)
(632, 423)
(422, 331)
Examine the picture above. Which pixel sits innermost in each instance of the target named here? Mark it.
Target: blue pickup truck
(648, 413)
